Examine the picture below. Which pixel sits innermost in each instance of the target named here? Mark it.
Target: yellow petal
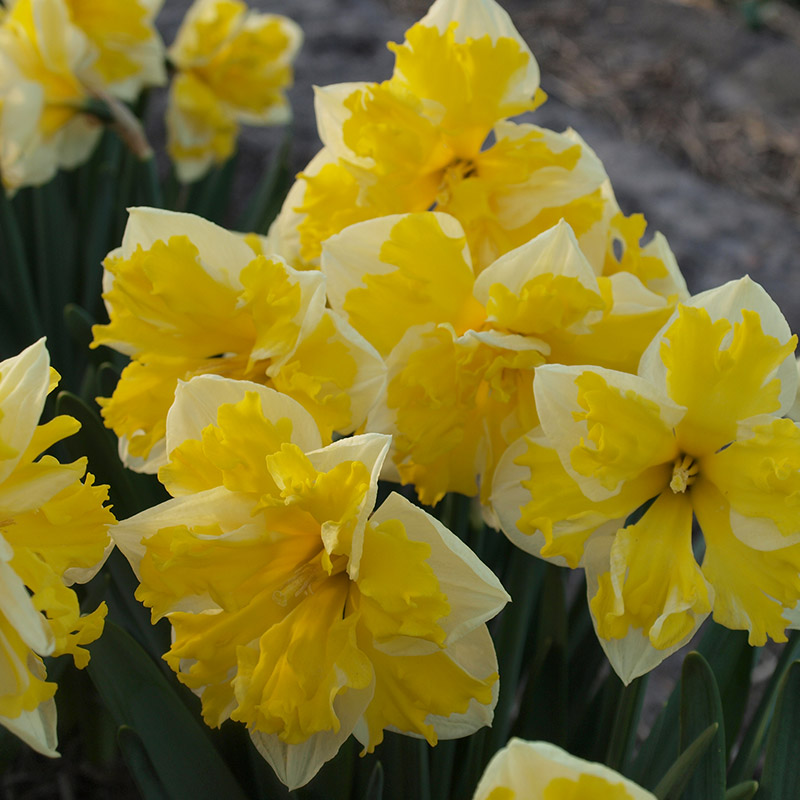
(753, 589)
(654, 584)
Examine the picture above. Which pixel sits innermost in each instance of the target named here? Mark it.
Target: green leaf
(671, 786)
(780, 778)
(700, 708)
(139, 765)
(721, 648)
(510, 635)
(138, 695)
(749, 754)
(626, 722)
(375, 785)
(543, 708)
(742, 791)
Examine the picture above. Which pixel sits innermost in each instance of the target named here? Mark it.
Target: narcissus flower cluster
(53, 533)
(233, 66)
(296, 609)
(55, 57)
(408, 285)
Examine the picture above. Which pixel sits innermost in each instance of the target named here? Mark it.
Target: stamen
(684, 471)
(454, 173)
(306, 578)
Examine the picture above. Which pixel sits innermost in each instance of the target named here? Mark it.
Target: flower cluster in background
(332, 440)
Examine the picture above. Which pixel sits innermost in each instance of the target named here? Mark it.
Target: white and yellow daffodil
(42, 128)
(418, 141)
(461, 350)
(234, 65)
(699, 432)
(55, 56)
(186, 297)
(541, 771)
(295, 610)
(129, 50)
(53, 532)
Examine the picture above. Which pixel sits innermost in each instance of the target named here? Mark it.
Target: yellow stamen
(684, 471)
(454, 173)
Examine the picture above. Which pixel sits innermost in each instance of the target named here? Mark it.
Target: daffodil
(186, 297)
(129, 50)
(423, 139)
(461, 350)
(698, 433)
(294, 609)
(42, 128)
(56, 56)
(53, 532)
(541, 771)
(233, 65)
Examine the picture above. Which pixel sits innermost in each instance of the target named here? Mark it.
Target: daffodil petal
(607, 426)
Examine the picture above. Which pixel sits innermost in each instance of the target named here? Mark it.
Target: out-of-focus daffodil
(186, 297)
(461, 351)
(419, 141)
(294, 609)
(234, 66)
(55, 57)
(541, 771)
(42, 128)
(53, 532)
(697, 433)
(129, 50)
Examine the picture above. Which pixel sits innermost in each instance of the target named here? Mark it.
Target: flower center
(684, 471)
(454, 173)
(306, 578)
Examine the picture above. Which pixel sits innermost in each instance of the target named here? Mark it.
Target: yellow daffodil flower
(461, 351)
(42, 129)
(53, 532)
(130, 53)
(541, 771)
(294, 609)
(234, 66)
(55, 56)
(186, 297)
(699, 432)
(419, 141)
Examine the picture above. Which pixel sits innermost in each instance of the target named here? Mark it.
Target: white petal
(556, 401)
(296, 764)
(528, 767)
(24, 384)
(554, 252)
(222, 252)
(197, 402)
(473, 591)
(331, 115)
(727, 302)
(477, 18)
(215, 506)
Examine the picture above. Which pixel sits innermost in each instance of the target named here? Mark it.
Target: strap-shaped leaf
(700, 708)
(671, 786)
(139, 765)
(375, 785)
(781, 776)
(138, 695)
(742, 791)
